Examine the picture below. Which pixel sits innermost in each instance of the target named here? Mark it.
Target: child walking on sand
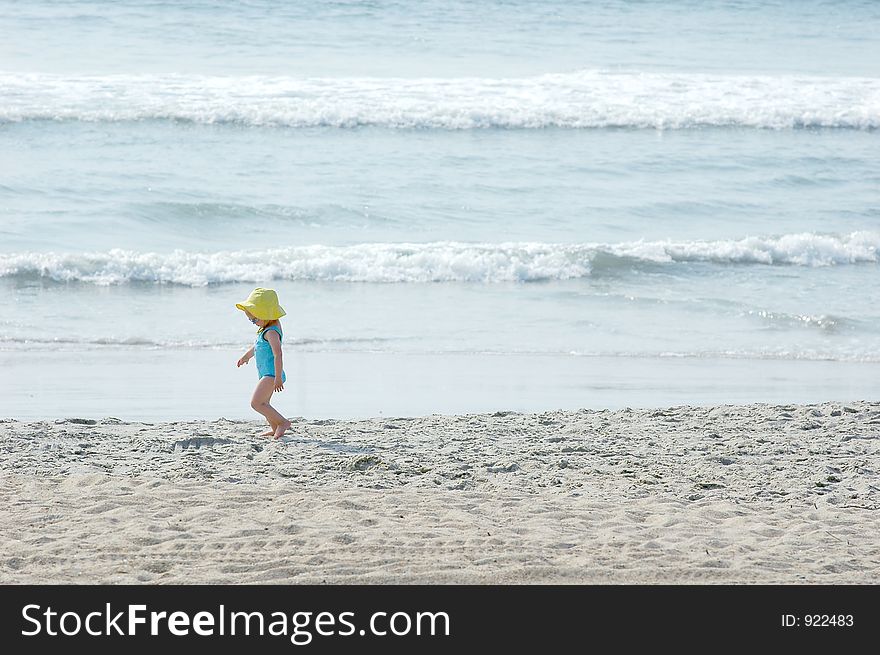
(263, 310)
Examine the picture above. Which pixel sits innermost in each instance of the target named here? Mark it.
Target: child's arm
(275, 343)
(244, 359)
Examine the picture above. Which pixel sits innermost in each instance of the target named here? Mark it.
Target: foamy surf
(445, 261)
(581, 99)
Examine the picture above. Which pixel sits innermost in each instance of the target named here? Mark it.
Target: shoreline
(357, 385)
(744, 494)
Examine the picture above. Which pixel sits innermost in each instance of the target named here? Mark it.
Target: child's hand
(279, 384)
(244, 359)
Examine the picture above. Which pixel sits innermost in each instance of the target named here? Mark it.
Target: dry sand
(729, 494)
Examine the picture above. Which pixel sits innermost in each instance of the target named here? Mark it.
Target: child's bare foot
(268, 433)
(281, 429)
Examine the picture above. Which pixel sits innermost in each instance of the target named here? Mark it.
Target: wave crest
(443, 261)
(582, 99)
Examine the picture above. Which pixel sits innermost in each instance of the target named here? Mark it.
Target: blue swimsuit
(264, 355)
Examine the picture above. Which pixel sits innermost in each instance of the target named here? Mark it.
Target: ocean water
(502, 205)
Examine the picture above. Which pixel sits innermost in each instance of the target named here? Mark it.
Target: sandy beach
(727, 494)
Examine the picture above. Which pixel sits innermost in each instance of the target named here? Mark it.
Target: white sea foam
(780, 354)
(392, 345)
(434, 262)
(803, 249)
(582, 99)
(11, 342)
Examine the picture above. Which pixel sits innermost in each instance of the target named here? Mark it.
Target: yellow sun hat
(262, 303)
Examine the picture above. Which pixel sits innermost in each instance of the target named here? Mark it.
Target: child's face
(259, 322)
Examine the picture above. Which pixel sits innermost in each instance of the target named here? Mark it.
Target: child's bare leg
(270, 431)
(260, 402)
(281, 429)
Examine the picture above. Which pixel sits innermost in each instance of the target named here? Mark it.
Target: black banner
(433, 618)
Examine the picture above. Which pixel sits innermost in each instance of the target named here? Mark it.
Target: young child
(263, 310)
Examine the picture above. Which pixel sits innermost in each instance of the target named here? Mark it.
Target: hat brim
(250, 307)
